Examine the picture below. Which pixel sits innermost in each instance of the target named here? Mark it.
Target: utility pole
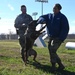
(10, 33)
(42, 1)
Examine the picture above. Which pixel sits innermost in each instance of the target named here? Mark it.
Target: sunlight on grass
(12, 64)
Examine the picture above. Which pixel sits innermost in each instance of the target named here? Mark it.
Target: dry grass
(12, 64)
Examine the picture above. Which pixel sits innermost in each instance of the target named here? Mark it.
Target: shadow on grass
(47, 69)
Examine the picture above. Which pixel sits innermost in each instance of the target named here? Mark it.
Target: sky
(10, 9)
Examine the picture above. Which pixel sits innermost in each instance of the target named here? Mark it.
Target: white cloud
(6, 25)
(72, 29)
(11, 7)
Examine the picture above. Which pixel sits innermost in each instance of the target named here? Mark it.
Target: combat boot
(53, 68)
(61, 66)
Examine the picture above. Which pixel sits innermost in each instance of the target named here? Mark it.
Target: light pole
(42, 1)
(10, 33)
(34, 14)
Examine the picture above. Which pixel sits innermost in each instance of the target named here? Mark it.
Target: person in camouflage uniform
(21, 24)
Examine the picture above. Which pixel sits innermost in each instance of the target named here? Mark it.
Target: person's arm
(42, 19)
(17, 23)
(26, 23)
(64, 28)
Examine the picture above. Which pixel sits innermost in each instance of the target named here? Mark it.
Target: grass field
(12, 64)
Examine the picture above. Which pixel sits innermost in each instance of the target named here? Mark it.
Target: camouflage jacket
(22, 19)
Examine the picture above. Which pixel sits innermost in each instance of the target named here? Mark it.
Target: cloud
(11, 7)
(6, 24)
(72, 29)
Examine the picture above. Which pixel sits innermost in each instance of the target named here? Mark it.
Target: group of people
(58, 28)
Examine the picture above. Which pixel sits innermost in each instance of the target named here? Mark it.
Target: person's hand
(24, 25)
(41, 20)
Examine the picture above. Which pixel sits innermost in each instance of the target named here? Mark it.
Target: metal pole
(34, 17)
(42, 1)
(42, 7)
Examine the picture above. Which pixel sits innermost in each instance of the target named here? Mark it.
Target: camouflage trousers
(54, 44)
(22, 41)
(30, 52)
(22, 44)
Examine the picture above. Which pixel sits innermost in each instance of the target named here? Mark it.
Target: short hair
(23, 6)
(58, 6)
